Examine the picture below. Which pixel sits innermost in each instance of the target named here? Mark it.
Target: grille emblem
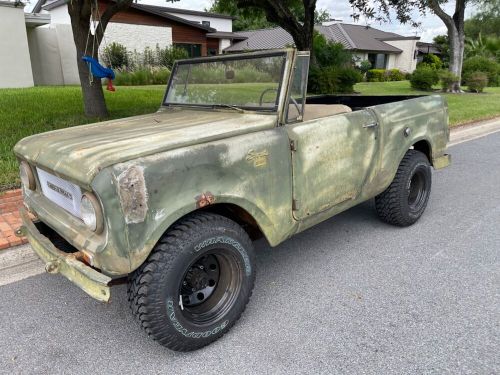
(60, 190)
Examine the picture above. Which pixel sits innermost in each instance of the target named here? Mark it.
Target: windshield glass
(241, 82)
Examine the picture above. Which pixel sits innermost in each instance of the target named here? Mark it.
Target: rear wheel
(405, 200)
(195, 284)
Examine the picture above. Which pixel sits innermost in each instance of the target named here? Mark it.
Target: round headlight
(91, 213)
(27, 177)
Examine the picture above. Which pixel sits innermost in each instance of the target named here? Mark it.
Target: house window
(378, 60)
(193, 50)
(205, 23)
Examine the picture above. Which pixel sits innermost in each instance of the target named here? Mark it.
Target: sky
(431, 25)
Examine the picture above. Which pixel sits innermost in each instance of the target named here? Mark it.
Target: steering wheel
(264, 93)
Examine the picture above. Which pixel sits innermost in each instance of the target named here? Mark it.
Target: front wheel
(405, 200)
(195, 284)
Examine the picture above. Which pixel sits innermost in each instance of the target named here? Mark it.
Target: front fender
(251, 171)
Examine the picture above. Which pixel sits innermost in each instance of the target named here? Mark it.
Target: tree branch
(110, 11)
(445, 17)
(458, 17)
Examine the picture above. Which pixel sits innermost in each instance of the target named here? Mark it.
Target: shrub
(332, 79)
(333, 71)
(348, 77)
(477, 81)
(481, 64)
(376, 75)
(395, 75)
(142, 76)
(116, 56)
(329, 53)
(423, 78)
(364, 66)
(382, 75)
(168, 56)
(447, 78)
(432, 61)
(149, 58)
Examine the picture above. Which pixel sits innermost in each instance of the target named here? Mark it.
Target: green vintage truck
(173, 200)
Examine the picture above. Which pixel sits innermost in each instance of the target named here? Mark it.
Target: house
(142, 26)
(426, 49)
(43, 51)
(15, 64)
(383, 49)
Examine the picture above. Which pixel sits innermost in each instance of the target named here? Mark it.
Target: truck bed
(357, 102)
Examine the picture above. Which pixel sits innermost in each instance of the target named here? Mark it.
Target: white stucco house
(43, 51)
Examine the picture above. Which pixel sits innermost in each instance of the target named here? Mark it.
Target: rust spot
(204, 199)
(133, 194)
(83, 257)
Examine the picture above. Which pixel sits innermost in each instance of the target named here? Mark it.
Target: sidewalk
(10, 201)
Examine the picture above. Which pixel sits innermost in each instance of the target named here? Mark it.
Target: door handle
(371, 125)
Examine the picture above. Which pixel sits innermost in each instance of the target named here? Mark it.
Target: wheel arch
(253, 220)
(425, 147)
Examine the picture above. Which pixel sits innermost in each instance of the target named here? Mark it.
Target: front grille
(63, 193)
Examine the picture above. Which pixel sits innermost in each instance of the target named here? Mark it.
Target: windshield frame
(284, 53)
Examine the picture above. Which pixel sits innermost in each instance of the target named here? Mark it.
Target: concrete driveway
(352, 295)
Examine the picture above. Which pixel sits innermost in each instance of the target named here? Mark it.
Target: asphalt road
(351, 295)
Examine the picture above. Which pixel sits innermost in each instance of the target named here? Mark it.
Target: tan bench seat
(314, 111)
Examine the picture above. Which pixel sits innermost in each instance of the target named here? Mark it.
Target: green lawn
(24, 112)
(29, 111)
(464, 108)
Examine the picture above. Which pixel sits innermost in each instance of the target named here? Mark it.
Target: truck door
(332, 158)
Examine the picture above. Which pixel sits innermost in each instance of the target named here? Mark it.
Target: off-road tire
(394, 204)
(153, 289)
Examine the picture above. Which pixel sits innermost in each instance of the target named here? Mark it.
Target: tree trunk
(94, 104)
(457, 44)
(456, 36)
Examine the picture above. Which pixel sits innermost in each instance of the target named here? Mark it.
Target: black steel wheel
(195, 284)
(405, 200)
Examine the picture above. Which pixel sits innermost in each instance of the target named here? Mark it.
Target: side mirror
(229, 74)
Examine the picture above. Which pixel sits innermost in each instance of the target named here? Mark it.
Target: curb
(20, 262)
(473, 131)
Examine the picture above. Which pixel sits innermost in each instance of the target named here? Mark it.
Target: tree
(455, 23)
(295, 16)
(443, 45)
(485, 22)
(252, 18)
(80, 12)
(245, 18)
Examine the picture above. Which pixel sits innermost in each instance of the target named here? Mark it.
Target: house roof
(156, 10)
(352, 37)
(261, 39)
(189, 12)
(428, 48)
(227, 35)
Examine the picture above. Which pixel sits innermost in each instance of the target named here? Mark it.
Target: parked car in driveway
(172, 200)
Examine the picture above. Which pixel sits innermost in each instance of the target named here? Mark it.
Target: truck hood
(79, 153)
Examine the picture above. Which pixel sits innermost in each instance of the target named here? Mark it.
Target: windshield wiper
(241, 110)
